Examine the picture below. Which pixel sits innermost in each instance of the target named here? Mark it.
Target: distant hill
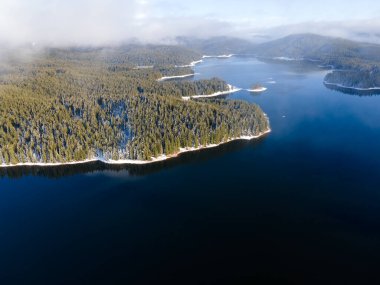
(131, 54)
(216, 45)
(317, 47)
(360, 61)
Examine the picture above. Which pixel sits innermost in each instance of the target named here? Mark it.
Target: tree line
(64, 106)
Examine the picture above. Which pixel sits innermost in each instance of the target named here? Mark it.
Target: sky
(99, 22)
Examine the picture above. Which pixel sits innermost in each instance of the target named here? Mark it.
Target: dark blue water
(300, 206)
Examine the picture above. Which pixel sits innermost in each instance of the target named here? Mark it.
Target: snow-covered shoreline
(231, 89)
(352, 88)
(218, 56)
(285, 58)
(136, 162)
(257, 90)
(192, 64)
(176, 76)
(143, 67)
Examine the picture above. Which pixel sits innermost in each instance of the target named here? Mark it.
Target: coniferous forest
(64, 105)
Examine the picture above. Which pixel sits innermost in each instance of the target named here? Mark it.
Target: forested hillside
(362, 79)
(360, 61)
(217, 45)
(68, 105)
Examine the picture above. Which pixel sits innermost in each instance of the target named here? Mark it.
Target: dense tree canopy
(67, 105)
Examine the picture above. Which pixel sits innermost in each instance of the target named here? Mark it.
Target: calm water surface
(300, 206)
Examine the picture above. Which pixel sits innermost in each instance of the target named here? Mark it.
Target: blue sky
(96, 22)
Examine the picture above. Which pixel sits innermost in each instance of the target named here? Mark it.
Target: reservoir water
(298, 206)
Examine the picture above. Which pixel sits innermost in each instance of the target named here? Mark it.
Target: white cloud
(95, 22)
(69, 22)
(357, 30)
(98, 22)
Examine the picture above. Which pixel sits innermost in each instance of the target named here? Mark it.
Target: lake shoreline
(231, 89)
(133, 161)
(351, 88)
(165, 78)
(193, 64)
(219, 56)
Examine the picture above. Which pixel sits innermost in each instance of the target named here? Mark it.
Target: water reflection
(351, 91)
(294, 66)
(56, 172)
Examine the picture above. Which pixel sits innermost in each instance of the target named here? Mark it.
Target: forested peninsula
(79, 104)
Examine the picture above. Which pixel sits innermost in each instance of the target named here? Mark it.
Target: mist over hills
(317, 46)
(216, 45)
(292, 46)
(354, 64)
(359, 60)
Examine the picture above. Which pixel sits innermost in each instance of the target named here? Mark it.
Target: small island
(257, 88)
